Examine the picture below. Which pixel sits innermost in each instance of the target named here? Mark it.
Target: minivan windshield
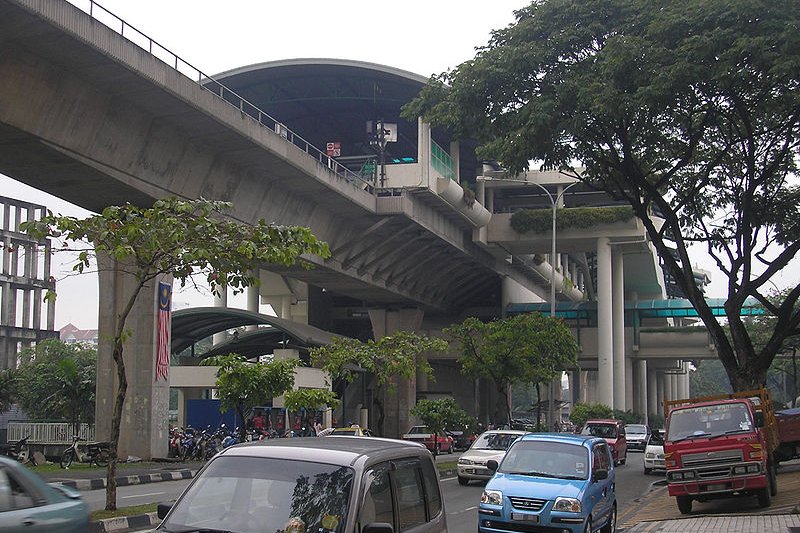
(547, 459)
(252, 494)
(495, 441)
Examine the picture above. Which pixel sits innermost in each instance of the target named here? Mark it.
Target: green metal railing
(442, 162)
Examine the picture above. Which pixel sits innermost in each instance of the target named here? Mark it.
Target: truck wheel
(684, 504)
(772, 479)
(764, 497)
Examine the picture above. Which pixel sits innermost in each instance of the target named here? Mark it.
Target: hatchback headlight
(463, 461)
(492, 497)
(567, 505)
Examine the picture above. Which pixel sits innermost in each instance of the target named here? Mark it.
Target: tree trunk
(378, 407)
(538, 408)
(502, 402)
(111, 480)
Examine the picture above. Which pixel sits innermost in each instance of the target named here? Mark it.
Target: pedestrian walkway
(658, 512)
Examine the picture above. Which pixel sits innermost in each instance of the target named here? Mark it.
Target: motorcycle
(18, 450)
(95, 452)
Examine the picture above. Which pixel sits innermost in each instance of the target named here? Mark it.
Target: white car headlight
(567, 505)
(492, 497)
(463, 461)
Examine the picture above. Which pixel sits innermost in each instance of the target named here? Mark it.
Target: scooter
(18, 450)
(95, 452)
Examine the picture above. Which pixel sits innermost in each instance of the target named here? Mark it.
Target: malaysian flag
(164, 327)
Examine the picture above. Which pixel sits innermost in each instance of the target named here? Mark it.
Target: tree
(708, 379)
(56, 381)
(175, 238)
(525, 348)
(242, 384)
(581, 412)
(7, 389)
(686, 110)
(309, 400)
(394, 356)
(441, 414)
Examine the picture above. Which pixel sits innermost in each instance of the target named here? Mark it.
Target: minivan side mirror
(599, 475)
(492, 465)
(378, 527)
(163, 509)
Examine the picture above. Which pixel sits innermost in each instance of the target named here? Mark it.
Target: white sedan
(491, 444)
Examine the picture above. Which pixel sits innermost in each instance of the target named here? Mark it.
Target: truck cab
(721, 448)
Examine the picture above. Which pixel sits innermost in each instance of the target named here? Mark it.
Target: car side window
(432, 494)
(13, 495)
(410, 495)
(378, 498)
(601, 457)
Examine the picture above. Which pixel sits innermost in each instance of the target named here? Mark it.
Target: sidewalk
(657, 511)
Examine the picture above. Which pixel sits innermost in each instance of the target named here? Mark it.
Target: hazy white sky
(424, 37)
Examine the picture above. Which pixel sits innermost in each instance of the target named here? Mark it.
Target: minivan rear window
(251, 494)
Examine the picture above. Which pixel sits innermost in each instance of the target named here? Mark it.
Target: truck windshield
(708, 421)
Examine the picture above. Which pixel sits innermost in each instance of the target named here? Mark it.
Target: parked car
(489, 445)
(551, 482)
(352, 431)
(614, 432)
(336, 485)
(462, 439)
(28, 503)
(654, 452)
(438, 443)
(636, 436)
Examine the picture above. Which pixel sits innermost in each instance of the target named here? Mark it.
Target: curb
(124, 523)
(124, 481)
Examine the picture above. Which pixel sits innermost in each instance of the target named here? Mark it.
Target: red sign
(333, 149)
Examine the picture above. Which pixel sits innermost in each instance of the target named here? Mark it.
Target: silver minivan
(304, 485)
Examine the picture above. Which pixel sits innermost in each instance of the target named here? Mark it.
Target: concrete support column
(662, 391)
(687, 380)
(683, 384)
(605, 331)
(618, 325)
(397, 404)
(144, 429)
(220, 300)
(630, 404)
(286, 307)
(253, 300)
(673, 386)
(652, 392)
(640, 392)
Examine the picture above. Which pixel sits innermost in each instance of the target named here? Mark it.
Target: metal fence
(48, 432)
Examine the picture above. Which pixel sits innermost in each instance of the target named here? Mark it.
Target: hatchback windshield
(250, 494)
(494, 441)
(547, 459)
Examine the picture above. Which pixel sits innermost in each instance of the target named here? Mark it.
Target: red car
(435, 443)
(614, 432)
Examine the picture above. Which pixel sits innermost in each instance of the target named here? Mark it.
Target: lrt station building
(321, 143)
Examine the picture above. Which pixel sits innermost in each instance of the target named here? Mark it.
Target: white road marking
(143, 495)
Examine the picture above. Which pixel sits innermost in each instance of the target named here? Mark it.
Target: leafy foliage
(242, 384)
(7, 389)
(688, 110)
(441, 414)
(525, 348)
(541, 220)
(581, 412)
(56, 381)
(175, 238)
(708, 379)
(309, 399)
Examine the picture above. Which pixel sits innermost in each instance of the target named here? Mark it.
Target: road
(461, 502)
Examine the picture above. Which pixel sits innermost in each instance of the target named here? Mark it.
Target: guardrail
(164, 54)
(48, 432)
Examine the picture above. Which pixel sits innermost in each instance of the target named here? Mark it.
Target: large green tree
(56, 381)
(388, 359)
(441, 414)
(525, 348)
(688, 110)
(175, 238)
(8, 382)
(243, 384)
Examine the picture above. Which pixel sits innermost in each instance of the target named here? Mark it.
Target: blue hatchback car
(551, 482)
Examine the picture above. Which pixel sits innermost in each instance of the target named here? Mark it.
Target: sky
(425, 38)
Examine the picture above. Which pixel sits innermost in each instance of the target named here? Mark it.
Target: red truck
(720, 447)
(788, 434)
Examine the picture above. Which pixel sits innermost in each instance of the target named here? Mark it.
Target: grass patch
(450, 465)
(125, 511)
(85, 467)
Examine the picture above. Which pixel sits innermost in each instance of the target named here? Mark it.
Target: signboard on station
(333, 149)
